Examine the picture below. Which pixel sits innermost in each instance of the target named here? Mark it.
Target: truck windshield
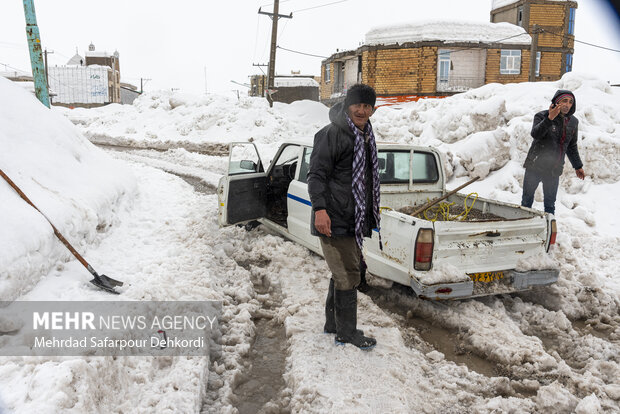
(394, 167)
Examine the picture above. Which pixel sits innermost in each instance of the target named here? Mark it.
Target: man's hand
(580, 173)
(322, 222)
(554, 110)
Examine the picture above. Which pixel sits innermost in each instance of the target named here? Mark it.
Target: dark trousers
(343, 259)
(550, 189)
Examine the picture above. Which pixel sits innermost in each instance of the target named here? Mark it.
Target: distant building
(288, 89)
(441, 58)
(556, 23)
(92, 80)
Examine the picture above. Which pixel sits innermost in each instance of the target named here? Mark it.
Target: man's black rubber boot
(363, 286)
(346, 321)
(330, 318)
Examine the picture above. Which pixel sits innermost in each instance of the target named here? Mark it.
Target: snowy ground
(552, 350)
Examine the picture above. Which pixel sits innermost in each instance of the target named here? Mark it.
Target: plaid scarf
(359, 182)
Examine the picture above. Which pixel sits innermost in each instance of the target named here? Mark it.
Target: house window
(510, 63)
(569, 62)
(537, 63)
(444, 66)
(327, 74)
(571, 21)
(520, 16)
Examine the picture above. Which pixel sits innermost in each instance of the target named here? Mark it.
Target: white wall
(79, 84)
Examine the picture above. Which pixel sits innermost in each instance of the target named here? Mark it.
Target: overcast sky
(175, 43)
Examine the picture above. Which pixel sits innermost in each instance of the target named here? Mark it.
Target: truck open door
(242, 192)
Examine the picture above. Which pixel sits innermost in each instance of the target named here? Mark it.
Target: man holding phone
(555, 135)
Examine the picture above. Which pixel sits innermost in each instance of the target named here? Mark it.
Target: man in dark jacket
(555, 135)
(343, 183)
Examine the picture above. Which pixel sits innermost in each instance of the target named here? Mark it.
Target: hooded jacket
(546, 155)
(331, 175)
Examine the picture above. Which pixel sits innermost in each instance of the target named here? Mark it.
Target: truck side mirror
(247, 165)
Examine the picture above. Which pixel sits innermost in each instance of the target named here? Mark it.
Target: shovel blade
(111, 281)
(106, 283)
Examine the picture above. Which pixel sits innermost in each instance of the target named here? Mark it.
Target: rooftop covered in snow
(294, 81)
(447, 31)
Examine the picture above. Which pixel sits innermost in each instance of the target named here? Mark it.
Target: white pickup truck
(438, 259)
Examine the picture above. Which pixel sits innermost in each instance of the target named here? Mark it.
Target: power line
(322, 5)
(301, 53)
(580, 41)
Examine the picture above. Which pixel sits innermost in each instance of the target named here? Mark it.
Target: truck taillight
(423, 250)
(554, 233)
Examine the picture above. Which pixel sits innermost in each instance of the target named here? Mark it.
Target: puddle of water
(584, 328)
(449, 344)
(443, 340)
(264, 380)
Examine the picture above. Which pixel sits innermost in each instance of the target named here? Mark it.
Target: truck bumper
(513, 281)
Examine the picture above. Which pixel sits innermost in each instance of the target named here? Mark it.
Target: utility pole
(36, 55)
(533, 50)
(142, 82)
(205, 79)
(272, 54)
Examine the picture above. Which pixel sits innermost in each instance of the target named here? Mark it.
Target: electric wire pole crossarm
(272, 54)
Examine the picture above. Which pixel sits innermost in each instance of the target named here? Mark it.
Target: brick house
(440, 58)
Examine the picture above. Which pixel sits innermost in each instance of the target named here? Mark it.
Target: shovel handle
(56, 232)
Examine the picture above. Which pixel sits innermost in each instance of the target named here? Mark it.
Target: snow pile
(294, 81)
(448, 31)
(488, 129)
(78, 187)
(199, 122)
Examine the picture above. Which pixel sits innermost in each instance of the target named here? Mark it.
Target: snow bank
(198, 122)
(448, 31)
(77, 186)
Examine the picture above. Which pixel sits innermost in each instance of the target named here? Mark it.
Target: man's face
(359, 114)
(565, 104)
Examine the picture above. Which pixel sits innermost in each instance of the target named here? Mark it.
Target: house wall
(296, 93)
(396, 71)
(80, 84)
(326, 88)
(468, 68)
(128, 95)
(509, 16)
(493, 65)
(350, 72)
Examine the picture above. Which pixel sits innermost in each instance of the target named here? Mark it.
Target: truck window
(394, 167)
(305, 165)
(424, 168)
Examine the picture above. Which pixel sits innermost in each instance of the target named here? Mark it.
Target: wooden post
(533, 50)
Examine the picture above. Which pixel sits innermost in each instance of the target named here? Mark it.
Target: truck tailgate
(483, 246)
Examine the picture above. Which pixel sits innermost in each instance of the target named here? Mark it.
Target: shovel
(101, 281)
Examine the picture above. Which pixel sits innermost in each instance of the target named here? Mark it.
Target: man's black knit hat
(360, 93)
